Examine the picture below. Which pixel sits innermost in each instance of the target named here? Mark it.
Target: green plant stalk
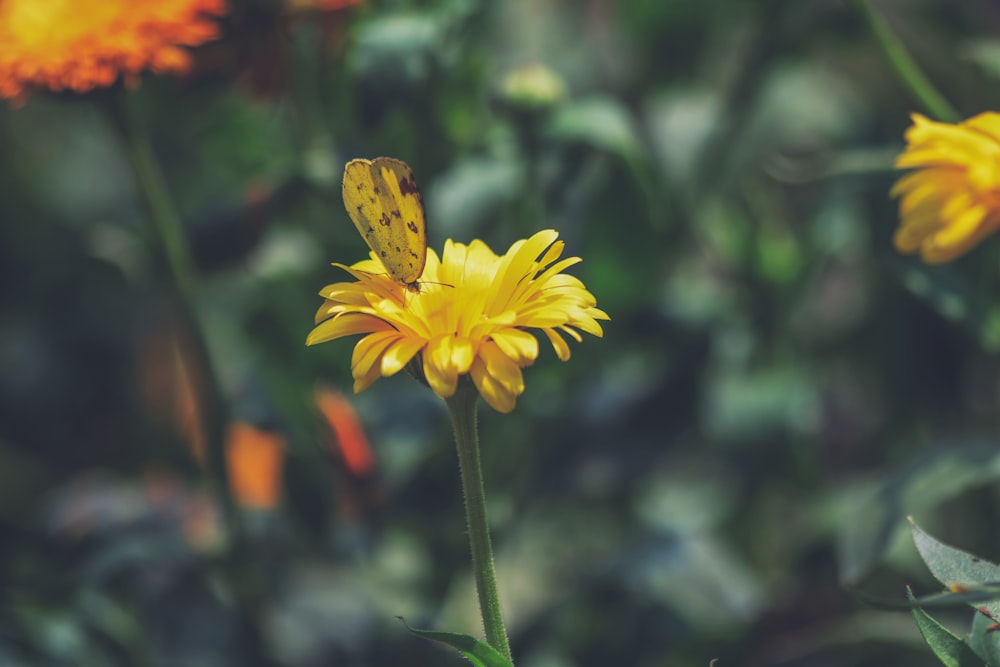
(907, 68)
(170, 239)
(462, 409)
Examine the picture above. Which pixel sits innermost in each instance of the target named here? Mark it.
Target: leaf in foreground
(479, 653)
(946, 645)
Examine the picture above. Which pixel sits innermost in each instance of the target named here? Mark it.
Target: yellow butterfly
(383, 200)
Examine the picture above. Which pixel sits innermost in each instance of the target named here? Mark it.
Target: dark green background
(776, 390)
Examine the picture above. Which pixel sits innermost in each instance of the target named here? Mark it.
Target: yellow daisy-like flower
(952, 201)
(84, 44)
(469, 317)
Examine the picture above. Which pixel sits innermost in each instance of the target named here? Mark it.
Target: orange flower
(84, 44)
(254, 458)
(347, 430)
(169, 387)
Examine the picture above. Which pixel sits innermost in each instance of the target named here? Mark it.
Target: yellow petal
(502, 368)
(439, 369)
(368, 352)
(956, 238)
(988, 123)
(519, 345)
(364, 378)
(462, 354)
(399, 354)
(558, 344)
(346, 325)
(492, 391)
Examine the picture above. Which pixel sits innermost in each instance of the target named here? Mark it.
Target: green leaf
(479, 653)
(471, 191)
(986, 54)
(954, 295)
(964, 595)
(985, 639)
(398, 50)
(946, 645)
(954, 566)
(601, 122)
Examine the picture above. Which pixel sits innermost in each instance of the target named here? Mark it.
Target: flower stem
(169, 237)
(907, 68)
(462, 408)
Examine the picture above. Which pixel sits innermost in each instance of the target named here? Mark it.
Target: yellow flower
(84, 44)
(469, 317)
(952, 201)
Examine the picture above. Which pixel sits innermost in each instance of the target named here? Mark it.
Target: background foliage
(776, 390)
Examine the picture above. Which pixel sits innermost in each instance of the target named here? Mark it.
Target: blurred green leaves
(921, 484)
(778, 390)
(602, 123)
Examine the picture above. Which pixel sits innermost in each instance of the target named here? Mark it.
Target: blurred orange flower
(169, 388)
(254, 457)
(79, 45)
(347, 430)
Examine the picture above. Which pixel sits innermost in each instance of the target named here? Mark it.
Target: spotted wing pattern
(384, 202)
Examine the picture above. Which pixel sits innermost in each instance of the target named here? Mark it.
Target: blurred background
(724, 475)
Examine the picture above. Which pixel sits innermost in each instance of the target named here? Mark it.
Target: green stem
(462, 408)
(907, 68)
(170, 239)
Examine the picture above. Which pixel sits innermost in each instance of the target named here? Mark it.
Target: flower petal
(399, 354)
(347, 324)
(493, 392)
(961, 234)
(519, 345)
(558, 344)
(439, 367)
(368, 352)
(502, 368)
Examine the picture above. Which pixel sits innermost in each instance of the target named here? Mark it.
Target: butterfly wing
(383, 200)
